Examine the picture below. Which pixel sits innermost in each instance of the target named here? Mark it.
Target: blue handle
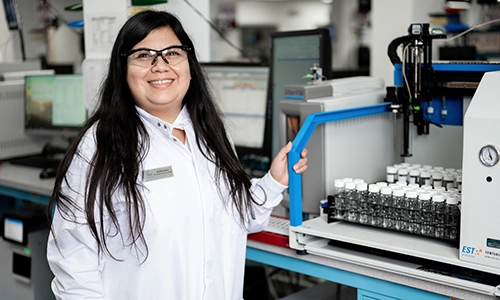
(300, 141)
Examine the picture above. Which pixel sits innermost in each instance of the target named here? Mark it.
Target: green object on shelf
(74, 7)
(147, 2)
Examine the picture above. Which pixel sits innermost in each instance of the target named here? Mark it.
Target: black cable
(217, 30)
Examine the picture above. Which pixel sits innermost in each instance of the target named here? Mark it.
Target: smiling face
(159, 89)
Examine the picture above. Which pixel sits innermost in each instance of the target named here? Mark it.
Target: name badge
(158, 173)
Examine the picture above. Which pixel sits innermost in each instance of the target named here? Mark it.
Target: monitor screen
(54, 104)
(293, 54)
(11, 14)
(241, 92)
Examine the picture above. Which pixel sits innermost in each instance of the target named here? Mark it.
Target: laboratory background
(396, 102)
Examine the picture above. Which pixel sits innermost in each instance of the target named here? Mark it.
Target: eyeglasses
(144, 57)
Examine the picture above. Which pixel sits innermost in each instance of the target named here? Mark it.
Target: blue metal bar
(23, 195)
(381, 287)
(300, 141)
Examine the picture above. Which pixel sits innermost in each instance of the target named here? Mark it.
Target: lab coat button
(159, 125)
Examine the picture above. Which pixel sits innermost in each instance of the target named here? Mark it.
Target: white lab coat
(196, 245)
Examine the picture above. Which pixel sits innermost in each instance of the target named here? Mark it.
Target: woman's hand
(279, 166)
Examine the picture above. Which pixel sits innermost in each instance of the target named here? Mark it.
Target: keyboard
(278, 225)
(37, 161)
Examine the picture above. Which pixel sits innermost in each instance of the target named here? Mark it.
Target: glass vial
(413, 176)
(359, 206)
(439, 205)
(400, 220)
(414, 216)
(391, 174)
(427, 214)
(350, 200)
(387, 207)
(452, 217)
(339, 196)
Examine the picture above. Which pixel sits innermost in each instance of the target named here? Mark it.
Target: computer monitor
(292, 55)
(54, 104)
(241, 92)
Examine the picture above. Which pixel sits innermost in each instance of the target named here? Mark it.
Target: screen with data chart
(54, 104)
(241, 92)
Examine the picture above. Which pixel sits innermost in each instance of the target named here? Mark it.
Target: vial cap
(424, 196)
(339, 183)
(438, 168)
(358, 180)
(362, 186)
(419, 190)
(350, 185)
(448, 177)
(411, 194)
(414, 172)
(437, 175)
(391, 170)
(438, 198)
(425, 174)
(373, 188)
(382, 183)
(386, 191)
(416, 165)
(427, 167)
(427, 187)
(398, 193)
(403, 171)
(413, 185)
(452, 199)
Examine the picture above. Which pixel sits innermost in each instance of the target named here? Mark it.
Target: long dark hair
(122, 141)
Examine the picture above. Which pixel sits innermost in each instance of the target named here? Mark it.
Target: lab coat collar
(181, 122)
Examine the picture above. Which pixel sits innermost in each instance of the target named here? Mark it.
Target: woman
(150, 201)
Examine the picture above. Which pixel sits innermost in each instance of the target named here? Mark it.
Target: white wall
(285, 16)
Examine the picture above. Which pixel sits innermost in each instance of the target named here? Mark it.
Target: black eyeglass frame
(158, 52)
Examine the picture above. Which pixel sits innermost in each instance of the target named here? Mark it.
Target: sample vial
(414, 216)
(400, 220)
(459, 182)
(403, 175)
(360, 205)
(339, 198)
(453, 217)
(425, 178)
(437, 179)
(374, 206)
(413, 178)
(350, 198)
(387, 208)
(427, 214)
(449, 181)
(391, 174)
(439, 206)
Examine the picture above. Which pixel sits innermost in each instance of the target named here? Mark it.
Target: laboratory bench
(24, 184)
